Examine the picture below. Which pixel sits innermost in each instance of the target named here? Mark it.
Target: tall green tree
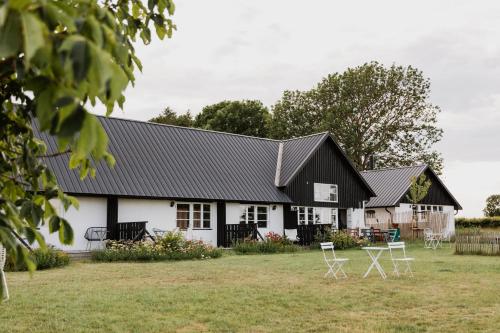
(492, 206)
(248, 117)
(371, 110)
(57, 58)
(169, 117)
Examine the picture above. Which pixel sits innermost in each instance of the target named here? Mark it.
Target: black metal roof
(164, 161)
(392, 184)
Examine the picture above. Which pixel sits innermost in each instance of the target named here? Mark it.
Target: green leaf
(80, 59)
(65, 233)
(88, 136)
(10, 31)
(54, 224)
(136, 10)
(33, 35)
(73, 123)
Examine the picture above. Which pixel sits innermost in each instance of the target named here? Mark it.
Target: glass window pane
(196, 224)
(251, 214)
(206, 223)
(243, 214)
(196, 207)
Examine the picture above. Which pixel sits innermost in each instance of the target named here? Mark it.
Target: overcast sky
(257, 49)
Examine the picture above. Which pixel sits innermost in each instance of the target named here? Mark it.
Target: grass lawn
(258, 293)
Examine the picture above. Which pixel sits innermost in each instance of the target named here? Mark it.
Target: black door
(342, 218)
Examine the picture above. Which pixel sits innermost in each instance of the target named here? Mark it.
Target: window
(325, 192)
(196, 215)
(316, 215)
(254, 214)
(182, 216)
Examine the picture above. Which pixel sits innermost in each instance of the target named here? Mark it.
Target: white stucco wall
(160, 215)
(274, 223)
(92, 213)
(357, 218)
(381, 215)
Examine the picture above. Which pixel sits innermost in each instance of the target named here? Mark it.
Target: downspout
(388, 211)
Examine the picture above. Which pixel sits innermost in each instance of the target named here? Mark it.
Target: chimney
(371, 162)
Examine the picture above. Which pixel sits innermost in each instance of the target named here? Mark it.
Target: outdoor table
(374, 257)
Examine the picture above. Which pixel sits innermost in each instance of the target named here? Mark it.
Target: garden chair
(367, 234)
(3, 280)
(428, 238)
(334, 264)
(377, 235)
(399, 258)
(95, 234)
(392, 235)
(159, 233)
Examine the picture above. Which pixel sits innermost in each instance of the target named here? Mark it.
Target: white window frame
(320, 189)
(255, 214)
(191, 215)
(305, 211)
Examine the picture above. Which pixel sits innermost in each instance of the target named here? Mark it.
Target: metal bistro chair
(3, 280)
(159, 233)
(428, 238)
(334, 264)
(401, 258)
(95, 234)
(368, 234)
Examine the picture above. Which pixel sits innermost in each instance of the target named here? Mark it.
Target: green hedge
(44, 259)
(482, 222)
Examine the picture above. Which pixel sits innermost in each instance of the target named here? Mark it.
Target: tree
(56, 58)
(169, 117)
(492, 206)
(248, 117)
(372, 111)
(419, 187)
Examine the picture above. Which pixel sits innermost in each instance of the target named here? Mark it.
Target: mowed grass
(258, 293)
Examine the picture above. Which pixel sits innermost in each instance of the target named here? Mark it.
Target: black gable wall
(437, 194)
(328, 166)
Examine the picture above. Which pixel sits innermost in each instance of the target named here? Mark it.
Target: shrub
(340, 239)
(46, 258)
(273, 243)
(482, 222)
(172, 246)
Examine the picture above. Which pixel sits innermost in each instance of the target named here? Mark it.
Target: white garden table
(374, 252)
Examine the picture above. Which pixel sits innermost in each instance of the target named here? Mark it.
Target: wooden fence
(477, 242)
(307, 232)
(239, 232)
(129, 231)
(436, 221)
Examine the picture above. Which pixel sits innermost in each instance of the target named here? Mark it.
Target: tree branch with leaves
(57, 58)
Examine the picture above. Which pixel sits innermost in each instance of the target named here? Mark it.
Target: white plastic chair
(3, 280)
(334, 264)
(400, 259)
(428, 238)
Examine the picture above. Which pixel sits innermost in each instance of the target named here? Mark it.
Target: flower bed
(172, 246)
(273, 243)
(340, 239)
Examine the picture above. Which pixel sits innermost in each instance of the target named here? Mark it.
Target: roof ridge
(306, 136)
(395, 168)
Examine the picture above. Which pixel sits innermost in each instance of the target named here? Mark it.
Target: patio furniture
(377, 235)
(401, 259)
(95, 234)
(428, 238)
(3, 280)
(334, 264)
(391, 235)
(367, 234)
(374, 252)
(353, 232)
(159, 233)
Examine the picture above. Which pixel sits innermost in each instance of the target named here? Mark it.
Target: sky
(256, 49)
